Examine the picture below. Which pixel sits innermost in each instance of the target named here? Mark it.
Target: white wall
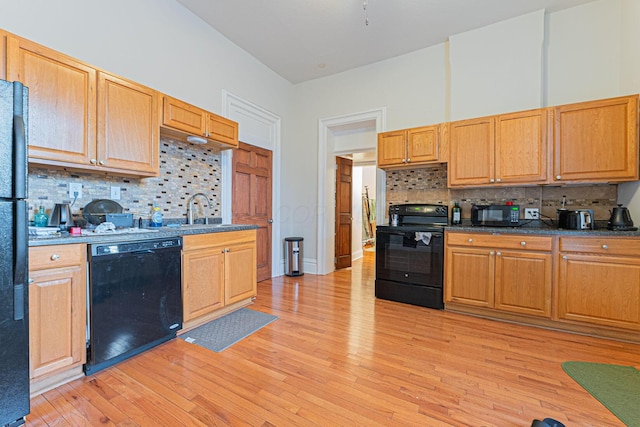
(497, 68)
(584, 53)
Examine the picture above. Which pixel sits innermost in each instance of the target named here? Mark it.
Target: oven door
(402, 258)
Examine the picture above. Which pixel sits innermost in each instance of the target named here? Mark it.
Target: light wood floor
(337, 356)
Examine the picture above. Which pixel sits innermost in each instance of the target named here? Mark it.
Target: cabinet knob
(498, 180)
(55, 257)
(491, 180)
(491, 253)
(102, 162)
(564, 257)
(404, 160)
(499, 253)
(270, 221)
(93, 161)
(523, 243)
(605, 246)
(30, 281)
(470, 240)
(558, 177)
(408, 160)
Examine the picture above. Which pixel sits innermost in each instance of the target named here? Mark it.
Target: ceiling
(304, 40)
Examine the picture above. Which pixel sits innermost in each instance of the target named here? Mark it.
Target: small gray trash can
(293, 250)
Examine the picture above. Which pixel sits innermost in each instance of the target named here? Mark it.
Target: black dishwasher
(134, 299)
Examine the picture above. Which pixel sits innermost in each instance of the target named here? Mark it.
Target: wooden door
(62, 103)
(344, 214)
(469, 276)
(597, 140)
(523, 282)
(252, 178)
(422, 144)
(128, 130)
(521, 147)
(392, 148)
(471, 151)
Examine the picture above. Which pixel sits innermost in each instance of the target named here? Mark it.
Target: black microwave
(495, 215)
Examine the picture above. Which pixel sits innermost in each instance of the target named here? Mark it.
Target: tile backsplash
(429, 185)
(185, 170)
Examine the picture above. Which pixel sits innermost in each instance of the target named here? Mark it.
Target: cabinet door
(521, 147)
(202, 282)
(602, 290)
(183, 116)
(222, 130)
(57, 317)
(597, 141)
(392, 148)
(62, 103)
(469, 276)
(128, 130)
(471, 152)
(422, 144)
(523, 282)
(240, 272)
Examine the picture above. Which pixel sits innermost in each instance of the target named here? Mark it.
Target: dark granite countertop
(542, 228)
(64, 238)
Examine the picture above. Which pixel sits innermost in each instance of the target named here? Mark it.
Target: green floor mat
(616, 387)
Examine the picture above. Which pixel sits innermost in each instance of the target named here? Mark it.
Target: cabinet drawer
(605, 245)
(201, 241)
(42, 257)
(502, 241)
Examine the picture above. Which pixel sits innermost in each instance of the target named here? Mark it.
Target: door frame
(326, 181)
(261, 128)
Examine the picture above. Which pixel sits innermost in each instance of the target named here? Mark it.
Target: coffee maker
(61, 216)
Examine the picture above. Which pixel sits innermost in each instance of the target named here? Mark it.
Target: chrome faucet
(190, 208)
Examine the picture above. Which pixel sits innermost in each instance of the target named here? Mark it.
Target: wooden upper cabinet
(522, 147)
(471, 149)
(392, 148)
(83, 118)
(182, 116)
(409, 147)
(128, 128)
(62, 103)
(596, 141)
(222, 130)
(187, 119)
(499, 150)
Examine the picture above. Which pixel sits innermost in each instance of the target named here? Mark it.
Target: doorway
(362, 129)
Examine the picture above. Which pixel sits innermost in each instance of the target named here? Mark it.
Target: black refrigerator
(14, 301)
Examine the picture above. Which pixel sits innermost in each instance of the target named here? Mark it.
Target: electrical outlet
(115, 193)
(531, 213)
(75, 187)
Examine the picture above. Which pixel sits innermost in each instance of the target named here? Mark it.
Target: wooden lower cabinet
(57, 309)
(218, 271)
(492, 271)
(599, 281)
